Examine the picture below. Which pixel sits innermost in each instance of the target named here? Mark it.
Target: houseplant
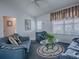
(50, 41)
(50, 38)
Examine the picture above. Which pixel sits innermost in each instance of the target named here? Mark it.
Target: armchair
(41, 36)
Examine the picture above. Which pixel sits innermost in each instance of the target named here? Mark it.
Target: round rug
(50, 53)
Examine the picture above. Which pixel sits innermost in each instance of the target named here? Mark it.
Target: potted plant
(50, 38)
(50, 41)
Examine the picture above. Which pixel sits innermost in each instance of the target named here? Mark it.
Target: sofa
(10, 51)
(72, 51)
(41, 36)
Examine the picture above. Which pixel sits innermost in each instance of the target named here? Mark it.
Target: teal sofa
(9, 51)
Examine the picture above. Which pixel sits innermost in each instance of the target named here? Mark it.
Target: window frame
(64, 26)
(39, 27)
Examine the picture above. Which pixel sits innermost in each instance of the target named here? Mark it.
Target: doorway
(9, 25)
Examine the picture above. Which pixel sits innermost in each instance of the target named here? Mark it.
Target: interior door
(9, 25)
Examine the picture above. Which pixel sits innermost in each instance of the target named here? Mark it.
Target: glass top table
(48, 45)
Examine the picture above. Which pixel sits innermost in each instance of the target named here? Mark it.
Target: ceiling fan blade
(37, 4)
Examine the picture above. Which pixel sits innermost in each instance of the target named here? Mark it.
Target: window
(58, 27)
(66, 26)
(39, 25)
(76, 26)
(76, 29)
(68, 29)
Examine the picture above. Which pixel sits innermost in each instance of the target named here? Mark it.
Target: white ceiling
(46, 6)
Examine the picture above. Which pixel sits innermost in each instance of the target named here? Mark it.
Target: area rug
(50, 53)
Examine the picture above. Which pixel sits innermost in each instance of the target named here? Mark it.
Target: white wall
(21, 27)
(1, 27)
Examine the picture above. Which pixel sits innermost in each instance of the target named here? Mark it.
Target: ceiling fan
(36, 2)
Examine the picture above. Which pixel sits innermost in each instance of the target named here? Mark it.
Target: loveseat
(10, 51)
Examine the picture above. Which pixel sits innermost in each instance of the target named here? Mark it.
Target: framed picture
(9, 23)
(27, 24)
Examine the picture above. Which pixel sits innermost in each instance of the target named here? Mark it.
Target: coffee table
(47, 44)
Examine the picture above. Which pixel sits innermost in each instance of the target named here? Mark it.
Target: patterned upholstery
(41, 36)
(13, 41)
(73, 49)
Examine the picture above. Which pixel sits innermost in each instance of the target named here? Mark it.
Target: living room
(34, 17)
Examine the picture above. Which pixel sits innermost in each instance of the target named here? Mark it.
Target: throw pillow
(13, 41)
(17, 38)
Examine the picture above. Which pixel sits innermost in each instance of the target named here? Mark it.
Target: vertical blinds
(69, 12)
